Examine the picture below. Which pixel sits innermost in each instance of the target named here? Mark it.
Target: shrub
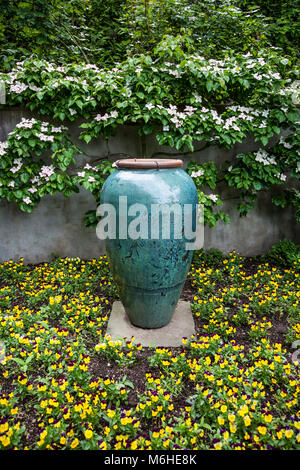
(284, 253)
(211, 257)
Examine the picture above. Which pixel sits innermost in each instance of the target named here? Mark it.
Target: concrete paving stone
(181, 325)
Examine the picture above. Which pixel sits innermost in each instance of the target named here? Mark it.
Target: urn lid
(148, 163)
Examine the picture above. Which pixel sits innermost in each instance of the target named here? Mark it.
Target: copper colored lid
(148, 163)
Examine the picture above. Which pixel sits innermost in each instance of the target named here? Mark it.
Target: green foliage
(285, 253)
(281, 22)
(24, 178)
(206, 175)
(146, 91)
(105, 31)
(261, 170)
(211, 257)
(63, 31)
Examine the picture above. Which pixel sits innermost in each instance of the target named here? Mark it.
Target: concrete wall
(56, 224)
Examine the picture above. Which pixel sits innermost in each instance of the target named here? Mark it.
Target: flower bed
(65, 385)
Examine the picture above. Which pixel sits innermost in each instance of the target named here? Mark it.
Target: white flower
(196, 174)
(198, 99)
(56, 129)
(18, 87)
(3, 146)
(150, 106)
(81, 174)
(262, 125)
(262, 157)
(27, 200)
(213, 197)
(26, 123)
(189, 110)
(16, 168)
(45, 138)
(32, 190)
(282, 177)
(286, 145)
(102, 118)
(91, 179)
(46, 172)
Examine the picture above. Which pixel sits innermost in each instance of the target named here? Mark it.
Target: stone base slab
(181, 326)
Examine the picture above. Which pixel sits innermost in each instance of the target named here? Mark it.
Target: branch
(79, 47)
(180, 153)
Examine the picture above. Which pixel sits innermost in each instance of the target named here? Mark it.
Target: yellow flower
(218, 446)
(111, 413)
(243, 410)
(5, 440)
(247, 420)
(232, 428)
(88, 434)
(75, 443)
(133, 445)
(262, 430)
(289, 433)
(3, 427)
(221, 420)
(103, 445)
(268, 418)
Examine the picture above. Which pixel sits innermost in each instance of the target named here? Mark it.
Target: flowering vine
(180, 97)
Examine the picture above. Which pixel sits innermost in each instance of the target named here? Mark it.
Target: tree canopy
(105, 31)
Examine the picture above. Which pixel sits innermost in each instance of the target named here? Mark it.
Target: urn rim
(148, 163)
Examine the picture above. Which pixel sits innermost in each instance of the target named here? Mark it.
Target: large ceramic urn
(148, 251)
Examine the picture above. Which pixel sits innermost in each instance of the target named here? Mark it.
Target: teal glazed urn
(147, 248)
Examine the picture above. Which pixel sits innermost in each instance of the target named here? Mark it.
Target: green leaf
(87, 138)
(209, 85)
(264, 140)
(257, 185)
(24, 177)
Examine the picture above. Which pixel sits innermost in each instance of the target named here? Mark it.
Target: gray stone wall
(56, 224)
